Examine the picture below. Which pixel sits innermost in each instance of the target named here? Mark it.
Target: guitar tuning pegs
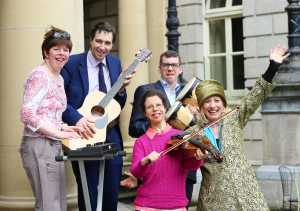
(147, 59)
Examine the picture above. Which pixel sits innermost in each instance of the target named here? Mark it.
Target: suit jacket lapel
(181, 86)
(84, 74)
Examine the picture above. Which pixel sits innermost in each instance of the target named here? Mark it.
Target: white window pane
(238, 72)
(237, 2)
(218, 69)
(217, 36)
(217, 4)
(237, 34)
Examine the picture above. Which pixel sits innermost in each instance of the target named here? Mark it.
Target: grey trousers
(46, 176)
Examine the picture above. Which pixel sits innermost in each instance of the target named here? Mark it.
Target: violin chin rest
(181, 135)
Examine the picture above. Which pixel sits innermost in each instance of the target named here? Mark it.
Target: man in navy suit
(95, 70)
(169, 67)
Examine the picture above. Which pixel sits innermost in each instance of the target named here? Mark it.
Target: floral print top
(44, 101)
(232, 185)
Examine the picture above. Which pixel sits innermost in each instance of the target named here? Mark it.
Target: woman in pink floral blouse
(43, 103)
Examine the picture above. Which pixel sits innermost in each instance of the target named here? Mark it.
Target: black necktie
(102, 86)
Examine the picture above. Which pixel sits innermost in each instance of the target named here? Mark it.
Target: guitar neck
(119, 83)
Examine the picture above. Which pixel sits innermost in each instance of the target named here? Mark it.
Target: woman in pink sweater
(162, 177)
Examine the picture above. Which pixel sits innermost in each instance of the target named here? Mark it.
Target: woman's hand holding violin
(153, 156)
(199, 155)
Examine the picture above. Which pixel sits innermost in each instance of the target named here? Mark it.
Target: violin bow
(196, 132)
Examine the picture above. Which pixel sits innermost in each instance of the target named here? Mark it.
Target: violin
(189, 138)
(192, 145)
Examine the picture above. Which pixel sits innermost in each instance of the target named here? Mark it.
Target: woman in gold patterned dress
(232, 185)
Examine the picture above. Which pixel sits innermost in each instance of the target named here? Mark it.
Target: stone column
(22, 26)
(132, 37)
(157, 42)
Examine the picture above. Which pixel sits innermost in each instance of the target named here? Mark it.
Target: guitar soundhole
(97, 111)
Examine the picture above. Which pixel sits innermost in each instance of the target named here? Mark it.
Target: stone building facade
(211, 30)
(264, 25)
(228, 40)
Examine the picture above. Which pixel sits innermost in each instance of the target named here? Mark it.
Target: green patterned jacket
(232, 185)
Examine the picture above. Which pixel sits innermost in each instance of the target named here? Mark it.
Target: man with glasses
(170, 69)
(96, 70)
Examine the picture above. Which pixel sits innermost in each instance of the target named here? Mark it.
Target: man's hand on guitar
(88, 127)
(127, 81)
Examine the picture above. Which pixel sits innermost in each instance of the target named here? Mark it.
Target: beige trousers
(46, 176)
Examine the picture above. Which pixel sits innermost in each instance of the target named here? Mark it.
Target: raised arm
(277, 55)
(263, 86)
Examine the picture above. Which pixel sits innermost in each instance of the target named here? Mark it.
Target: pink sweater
(163, 181)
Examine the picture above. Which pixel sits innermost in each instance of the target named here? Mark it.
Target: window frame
(225, 13)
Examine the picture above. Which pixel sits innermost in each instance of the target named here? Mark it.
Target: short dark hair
(151, 93)
(103, 26)
(168, 54)
(55, 36)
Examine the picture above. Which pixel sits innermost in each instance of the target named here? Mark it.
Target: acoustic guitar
(103, 107)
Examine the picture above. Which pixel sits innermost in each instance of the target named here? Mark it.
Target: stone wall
(191, 39)
(264, 26)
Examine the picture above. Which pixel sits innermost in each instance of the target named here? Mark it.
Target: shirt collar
(93, 61)
(166, 85)
(151, 132)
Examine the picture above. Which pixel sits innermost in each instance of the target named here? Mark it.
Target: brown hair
(151, 93)
(103, 26)
(169, 54)
(55, 36)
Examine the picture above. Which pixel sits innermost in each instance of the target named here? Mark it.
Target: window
(223, 44)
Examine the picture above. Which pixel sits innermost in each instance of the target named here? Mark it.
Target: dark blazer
(138, 122)
(76, 86)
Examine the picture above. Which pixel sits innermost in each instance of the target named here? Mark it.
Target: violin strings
(179, 143)
(197, 131)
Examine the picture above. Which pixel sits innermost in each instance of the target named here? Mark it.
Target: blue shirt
(171, 93)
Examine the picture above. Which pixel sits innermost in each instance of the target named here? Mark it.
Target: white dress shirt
(93, 69)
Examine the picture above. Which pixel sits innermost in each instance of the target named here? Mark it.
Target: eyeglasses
(167, 65)
(61, 35)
